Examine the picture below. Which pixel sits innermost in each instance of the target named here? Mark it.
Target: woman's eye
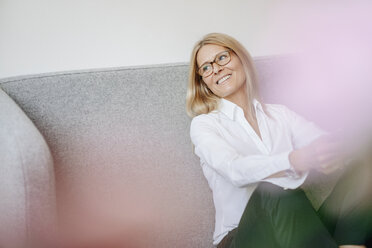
(222, 57)
(206, 67)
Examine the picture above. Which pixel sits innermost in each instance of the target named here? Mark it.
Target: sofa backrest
(122, 154)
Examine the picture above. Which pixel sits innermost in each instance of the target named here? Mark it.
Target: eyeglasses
(221, 59)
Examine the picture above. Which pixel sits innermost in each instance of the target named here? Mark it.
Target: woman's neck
(241, 99)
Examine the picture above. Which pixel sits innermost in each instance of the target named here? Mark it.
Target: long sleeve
(303, 131)
(226, 161)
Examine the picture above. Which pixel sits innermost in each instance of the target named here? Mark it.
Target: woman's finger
(328, 168)
(328, 158)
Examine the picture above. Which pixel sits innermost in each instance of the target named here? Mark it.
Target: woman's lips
(223, 79)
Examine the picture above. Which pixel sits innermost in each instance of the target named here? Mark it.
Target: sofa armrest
(27, 184)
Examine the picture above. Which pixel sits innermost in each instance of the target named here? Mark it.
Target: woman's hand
(331, 167)
(323, 154)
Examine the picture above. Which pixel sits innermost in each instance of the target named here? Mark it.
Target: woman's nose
(216, 68)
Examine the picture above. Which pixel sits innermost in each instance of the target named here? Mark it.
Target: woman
(255, 157)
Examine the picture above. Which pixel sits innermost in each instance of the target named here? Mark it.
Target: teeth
(223, 79)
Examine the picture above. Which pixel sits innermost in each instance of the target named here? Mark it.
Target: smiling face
(226, 81)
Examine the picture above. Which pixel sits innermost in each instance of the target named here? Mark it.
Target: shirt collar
(229, 108)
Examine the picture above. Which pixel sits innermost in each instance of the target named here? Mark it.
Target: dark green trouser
(275, 217)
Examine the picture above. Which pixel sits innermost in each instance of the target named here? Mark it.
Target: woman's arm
(314, 147)
(323, 154)
(223, 158)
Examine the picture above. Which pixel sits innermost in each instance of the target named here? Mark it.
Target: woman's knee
(273, 191)
(270, 195)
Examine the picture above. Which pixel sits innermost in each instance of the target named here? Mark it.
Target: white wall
(50, 35)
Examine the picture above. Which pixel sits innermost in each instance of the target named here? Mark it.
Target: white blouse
(234, 159)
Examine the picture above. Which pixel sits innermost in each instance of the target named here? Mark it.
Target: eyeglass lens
(221, 59)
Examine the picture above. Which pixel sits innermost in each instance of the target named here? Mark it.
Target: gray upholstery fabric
(27, 192)
(124, 165)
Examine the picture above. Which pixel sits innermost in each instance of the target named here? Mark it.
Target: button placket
(248, 128)
(264, 130)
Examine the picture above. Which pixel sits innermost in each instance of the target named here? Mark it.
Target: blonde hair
(199, 98)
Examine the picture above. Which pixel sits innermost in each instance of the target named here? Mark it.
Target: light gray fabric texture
(27, 189)
(124, 164)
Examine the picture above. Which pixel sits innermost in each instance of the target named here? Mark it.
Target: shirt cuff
(288, 167)
(287, 182)
(284, 162)
(292, 179)
(291, 172)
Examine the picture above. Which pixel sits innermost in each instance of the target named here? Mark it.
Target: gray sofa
(104, 156)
